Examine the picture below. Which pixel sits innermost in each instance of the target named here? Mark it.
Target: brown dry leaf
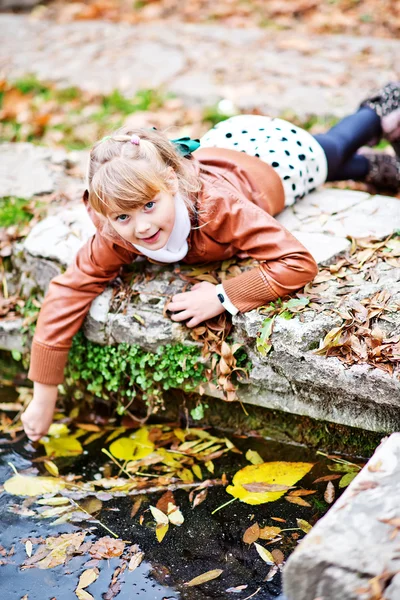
(201, 496)
(251, 534)
(135, 561)
(136, 506)
(269, 533)
(107, 547)
(329, 494)
(297, 500)
(297, 493)
(278, 556)
(208, 576)
(265, 487)
(163, 502)
(327, 478)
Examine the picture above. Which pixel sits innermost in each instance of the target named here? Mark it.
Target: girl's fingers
(176, 306)
(182, 316)
(195, 287)
(193, 322)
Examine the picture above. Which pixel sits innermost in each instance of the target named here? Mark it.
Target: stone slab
(352, 544)
(323, 75)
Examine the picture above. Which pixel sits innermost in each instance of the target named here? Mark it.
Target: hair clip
(135, 139)
(106, 137)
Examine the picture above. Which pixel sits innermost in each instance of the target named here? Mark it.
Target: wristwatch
(223, 298)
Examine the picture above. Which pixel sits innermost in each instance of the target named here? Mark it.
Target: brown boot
(384, 170)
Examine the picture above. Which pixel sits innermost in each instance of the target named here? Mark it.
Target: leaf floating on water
(62, 446)
(208, 576)
(329, 494)
(347, 479)
(59, 501)
(265, 487)
(278, 556)
(304, 525)
(301, 492)
(83, 594)
(52, 468)
(265, 554)
(201, 496)
(160, 517)
(327, 478)
(28, 548)
(269, 533)
(59, 546)
(161, 531)
(297, 500)
(174, 515)
(135, 447)
(25, 485)
(253, 457)
(251, 534)
(271, 473)
(58, 429)
(89, 576)
(135, 561)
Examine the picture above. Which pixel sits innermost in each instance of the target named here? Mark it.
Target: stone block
(354, 542)
(11, 335)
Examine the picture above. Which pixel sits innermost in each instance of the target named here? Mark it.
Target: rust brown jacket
(234, 209)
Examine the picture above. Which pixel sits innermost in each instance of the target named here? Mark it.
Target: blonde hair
(123, 175)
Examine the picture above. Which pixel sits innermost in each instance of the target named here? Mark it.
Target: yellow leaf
(209, 466)
(269, 533)
(208, 576)
(24, 485)
(51, 468)
(304, 525)
(54, 501)
(197, 471)
(161, 530)
(59, 546)
(58, 429)
(53, 512)
(180, 434)
(276, 473)
(62, 446)
(264, 553)
(135, 447)
(88, 577)
(253, 457)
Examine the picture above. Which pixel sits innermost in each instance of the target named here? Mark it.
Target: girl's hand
(39, 415)
(198, 305)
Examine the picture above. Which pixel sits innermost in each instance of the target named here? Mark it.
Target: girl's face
(150, 225)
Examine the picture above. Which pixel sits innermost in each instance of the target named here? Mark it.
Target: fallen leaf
(88, 577)
(161, 531)
(28, 548)
(269, 533)
(251, 534)
(201, 496)
(301, 493)
(62, 446)
(297, 500)
(135, 447)
(25, 485)
(327, 478)
(278, 556)
(160, 517)
(304, 525)
(58, 547)
(264, 553)
(208, 576)
(275, 473)
(347, 479)
(107, 547)
(174, 515)
(329, 494)
(135, 561)
(165, 499)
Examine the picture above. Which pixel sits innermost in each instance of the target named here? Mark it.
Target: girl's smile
(148, 225)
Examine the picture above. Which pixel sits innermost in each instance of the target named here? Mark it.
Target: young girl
(149, 196)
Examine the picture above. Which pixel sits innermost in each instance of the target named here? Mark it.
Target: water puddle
(197, 539)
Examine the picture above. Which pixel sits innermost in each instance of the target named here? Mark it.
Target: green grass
(14, 211)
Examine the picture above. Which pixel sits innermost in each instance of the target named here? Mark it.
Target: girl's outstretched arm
(62, 314)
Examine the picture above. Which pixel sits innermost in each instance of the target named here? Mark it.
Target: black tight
(341, 143)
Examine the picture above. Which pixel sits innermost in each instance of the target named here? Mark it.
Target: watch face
(221, 298)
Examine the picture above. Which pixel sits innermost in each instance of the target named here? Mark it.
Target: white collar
(176, 247)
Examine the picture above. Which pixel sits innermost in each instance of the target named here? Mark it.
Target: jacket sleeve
(68, 301)
(285, 264)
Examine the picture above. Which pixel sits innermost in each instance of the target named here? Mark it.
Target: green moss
(125, 371)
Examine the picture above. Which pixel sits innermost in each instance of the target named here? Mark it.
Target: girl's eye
(122, 218)
(149, 205)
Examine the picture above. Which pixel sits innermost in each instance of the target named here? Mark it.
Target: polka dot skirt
(296, 156)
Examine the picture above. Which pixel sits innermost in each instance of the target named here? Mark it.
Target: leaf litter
(163, 460)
